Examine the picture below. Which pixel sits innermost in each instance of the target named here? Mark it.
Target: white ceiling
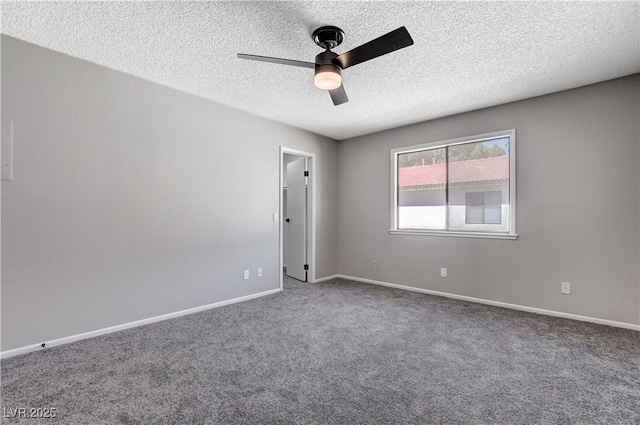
(466, 56)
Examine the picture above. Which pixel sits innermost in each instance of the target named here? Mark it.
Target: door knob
(288, 220)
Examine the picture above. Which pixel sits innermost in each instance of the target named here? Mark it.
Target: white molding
(542, 311)
(103, 331)
(453, 234)
(324, 279)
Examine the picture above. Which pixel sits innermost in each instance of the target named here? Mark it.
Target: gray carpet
(338, 352)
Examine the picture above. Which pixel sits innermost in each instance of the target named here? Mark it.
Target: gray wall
(578, 178)
(132, 200)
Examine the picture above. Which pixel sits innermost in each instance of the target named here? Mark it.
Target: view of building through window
(458, 187)
(483, 207)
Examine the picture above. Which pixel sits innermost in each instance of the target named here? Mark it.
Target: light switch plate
(7, 151)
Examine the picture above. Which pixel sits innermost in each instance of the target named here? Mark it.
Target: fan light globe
(327, 78)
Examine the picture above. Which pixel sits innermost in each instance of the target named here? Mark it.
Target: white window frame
(511, 234)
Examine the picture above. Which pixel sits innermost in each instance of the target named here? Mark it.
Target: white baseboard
(91, 334)
(553, 313)
(323, 279)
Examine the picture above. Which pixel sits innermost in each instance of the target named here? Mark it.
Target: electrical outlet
(443, 272)
(566, 287)
(246, 274)
(259, 271)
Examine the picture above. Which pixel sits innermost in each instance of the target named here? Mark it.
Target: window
(462, 187)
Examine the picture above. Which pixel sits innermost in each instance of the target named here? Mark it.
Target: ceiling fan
(329, 65)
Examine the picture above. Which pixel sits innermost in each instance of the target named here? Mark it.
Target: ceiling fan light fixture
(328, 77)
(329, 65)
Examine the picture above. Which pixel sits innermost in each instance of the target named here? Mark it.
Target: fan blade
(339, 96)
(395, 40)
(277, 60)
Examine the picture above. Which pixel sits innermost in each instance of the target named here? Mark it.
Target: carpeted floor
(338, 352)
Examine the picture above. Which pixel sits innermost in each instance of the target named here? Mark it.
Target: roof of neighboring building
(459, 172)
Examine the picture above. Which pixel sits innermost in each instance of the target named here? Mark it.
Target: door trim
(311, 224)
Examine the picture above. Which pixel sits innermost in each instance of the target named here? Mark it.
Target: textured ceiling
(466, 56)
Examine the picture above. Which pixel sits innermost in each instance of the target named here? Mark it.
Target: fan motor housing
(326, 58)
(324, 62)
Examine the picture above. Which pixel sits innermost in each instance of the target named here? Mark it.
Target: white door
(295, 221)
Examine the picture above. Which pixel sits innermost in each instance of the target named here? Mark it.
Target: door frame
(311, 211)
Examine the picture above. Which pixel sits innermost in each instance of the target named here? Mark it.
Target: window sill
(480, 235)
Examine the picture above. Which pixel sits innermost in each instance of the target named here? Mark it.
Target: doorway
(297, 215)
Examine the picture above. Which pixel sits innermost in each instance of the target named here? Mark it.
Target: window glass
(421, 190)
(478, 175)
